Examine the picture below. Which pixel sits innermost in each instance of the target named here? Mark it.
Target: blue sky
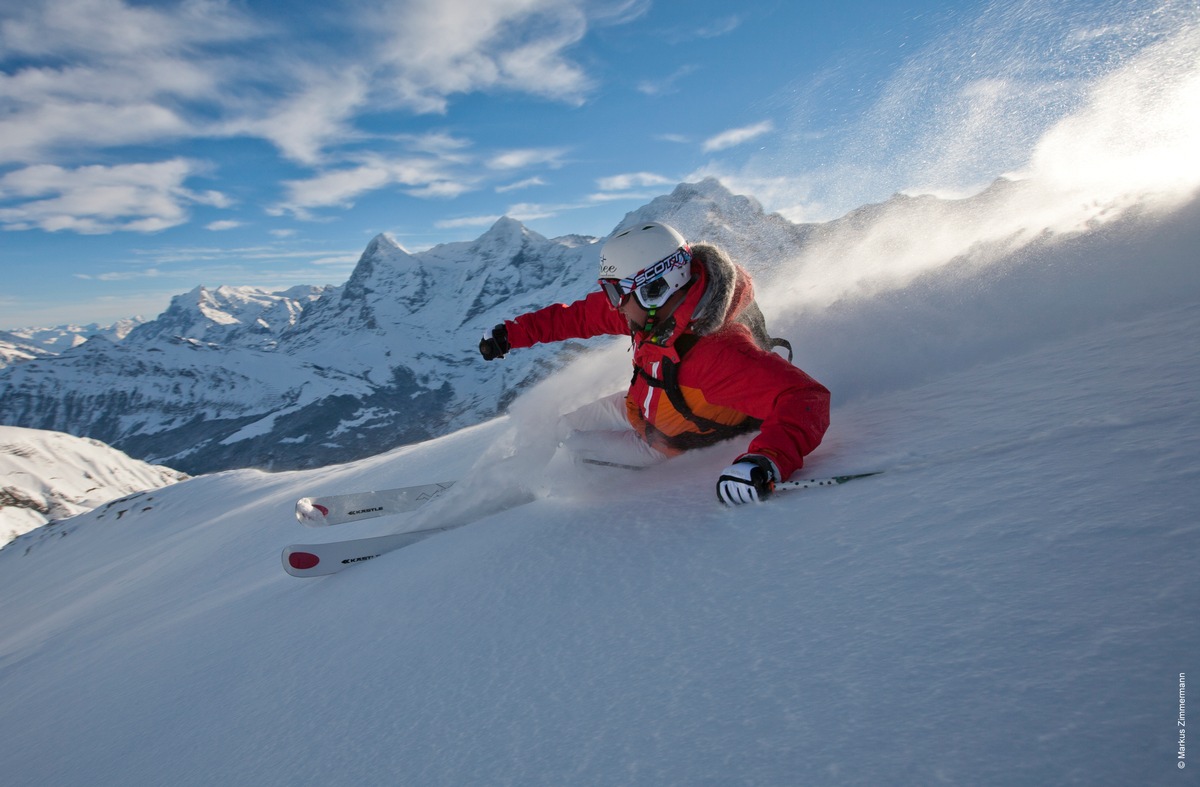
(146, 148)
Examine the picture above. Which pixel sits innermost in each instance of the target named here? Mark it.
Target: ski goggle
(648, 285)
(648, 296)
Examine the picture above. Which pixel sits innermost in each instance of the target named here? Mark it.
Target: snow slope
(1009, 604)
(46, 476)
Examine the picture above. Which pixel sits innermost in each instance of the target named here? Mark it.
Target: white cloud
(435, 143)
(521, 184)
(218, 226)
(633, 180)
(340, 259)
(175, 255)
(26, 135)
(523, 211)
(99, 73)
(337, 187)
(737, 136)
(529, 211)
(466, 221)
(81, 76)
(145, 273)
(425, 177)
(665, 85)
(115, 28)
(437, 48)
(527, 157)
(441, 189)
(102, 199)
(717, 27)
(317, 114)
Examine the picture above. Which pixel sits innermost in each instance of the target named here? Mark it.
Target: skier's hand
(494, 343)
(748, 480)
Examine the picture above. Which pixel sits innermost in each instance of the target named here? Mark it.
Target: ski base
(316, 560)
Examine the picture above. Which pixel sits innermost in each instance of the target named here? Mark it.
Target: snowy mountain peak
(244, 316)
(504, 239)
(505, 227)
(383, 245)
(691, 204)
(382, 254)
(708, 212)
(384, 264)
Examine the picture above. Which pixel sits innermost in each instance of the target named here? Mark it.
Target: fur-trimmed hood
(727, 290)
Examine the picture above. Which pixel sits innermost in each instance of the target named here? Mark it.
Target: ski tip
(302, 561)
(310, 513)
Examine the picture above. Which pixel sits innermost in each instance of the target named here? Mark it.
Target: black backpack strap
(752, 318)
(785, 344)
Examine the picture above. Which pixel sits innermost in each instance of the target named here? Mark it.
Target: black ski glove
(748, 480)
(495, 344)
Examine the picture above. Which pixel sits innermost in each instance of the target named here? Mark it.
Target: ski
(315, 560)
(619, 465)
(357, 506)
(812, 483)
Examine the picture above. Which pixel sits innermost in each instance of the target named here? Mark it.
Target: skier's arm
(583, 319)
(793, 407)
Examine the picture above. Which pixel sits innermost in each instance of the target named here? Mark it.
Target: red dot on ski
(303, 560)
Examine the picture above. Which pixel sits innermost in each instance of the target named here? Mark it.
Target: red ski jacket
(704, 375)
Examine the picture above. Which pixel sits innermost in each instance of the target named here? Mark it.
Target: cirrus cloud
(737, 136)
(102, 199)
(97, 73)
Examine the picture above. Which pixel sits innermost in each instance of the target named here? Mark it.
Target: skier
(703, 367)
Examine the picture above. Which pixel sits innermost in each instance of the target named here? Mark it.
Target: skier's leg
(604, 414)
(612, 446)
(600, 432)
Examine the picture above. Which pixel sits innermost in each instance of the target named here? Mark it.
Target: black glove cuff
(496, 345)
(768, 467)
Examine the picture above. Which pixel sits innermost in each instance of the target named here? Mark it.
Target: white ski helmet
(651, 260)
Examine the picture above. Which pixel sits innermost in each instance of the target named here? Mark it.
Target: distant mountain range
(25, 344)
(237, 377)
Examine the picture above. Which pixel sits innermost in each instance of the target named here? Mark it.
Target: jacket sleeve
(583, 319)
(794, 408)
